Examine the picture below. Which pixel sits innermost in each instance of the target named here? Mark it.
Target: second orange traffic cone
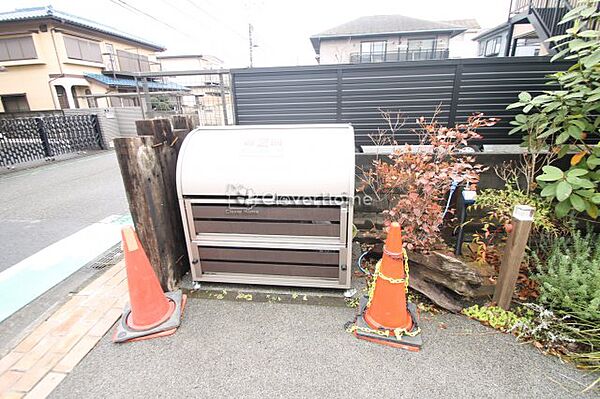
(385, 316)
(150, 312)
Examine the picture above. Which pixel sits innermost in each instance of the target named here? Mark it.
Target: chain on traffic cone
(150, 313)
(385, 316)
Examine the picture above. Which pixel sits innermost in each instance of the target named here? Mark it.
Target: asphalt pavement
(261, 350)
(42, 205)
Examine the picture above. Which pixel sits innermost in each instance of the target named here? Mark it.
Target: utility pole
(250, 31)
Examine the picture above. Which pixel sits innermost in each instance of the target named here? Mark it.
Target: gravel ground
(246, 349)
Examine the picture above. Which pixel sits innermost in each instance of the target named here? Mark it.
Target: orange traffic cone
(385, 316)
(150, 313)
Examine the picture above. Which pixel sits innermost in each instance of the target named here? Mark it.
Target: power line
(131, 8)
(225, 25)
(217, 20)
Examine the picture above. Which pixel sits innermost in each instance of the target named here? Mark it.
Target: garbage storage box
(269, 204)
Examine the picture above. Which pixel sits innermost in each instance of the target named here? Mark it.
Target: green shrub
(495, 317)
(567, 119)
(569, 275)
(500, 204)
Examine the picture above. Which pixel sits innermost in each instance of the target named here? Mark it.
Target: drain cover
(109, 258)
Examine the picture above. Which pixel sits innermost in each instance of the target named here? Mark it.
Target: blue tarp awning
(124, 82)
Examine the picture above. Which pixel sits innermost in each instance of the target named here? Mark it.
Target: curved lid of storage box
(268, 160)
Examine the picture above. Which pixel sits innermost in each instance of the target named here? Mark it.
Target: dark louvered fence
(30, 139)
(358, 93)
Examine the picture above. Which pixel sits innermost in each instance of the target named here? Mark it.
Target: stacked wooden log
(148, 166)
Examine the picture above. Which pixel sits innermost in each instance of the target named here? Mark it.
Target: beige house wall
(35, 78)
(337, 51)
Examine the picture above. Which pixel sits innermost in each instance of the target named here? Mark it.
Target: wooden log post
(522, 220)
(148, 166)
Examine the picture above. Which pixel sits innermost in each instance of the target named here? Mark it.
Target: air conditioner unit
(269, 204)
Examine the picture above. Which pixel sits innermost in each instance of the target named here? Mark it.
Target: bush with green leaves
(560, 121)
(568, 273)
(495, 317)
(575, 188)
(500, 203)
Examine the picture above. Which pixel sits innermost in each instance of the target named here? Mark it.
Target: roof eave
(316, 43)
(148, 45)
(452, 31)
(490, 31)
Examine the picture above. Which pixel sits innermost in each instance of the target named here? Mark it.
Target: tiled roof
(469, 23)
(48, 12)
(383, 24)
(123, 82)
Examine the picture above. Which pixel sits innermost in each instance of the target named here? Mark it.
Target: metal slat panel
(269, 255)
(318, 88)
(303, 94)
(267, 228)
(267, 212)
(270, 269)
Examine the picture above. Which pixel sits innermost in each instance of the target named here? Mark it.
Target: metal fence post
(98, 131)
(233, 98)
(147, 101)
(338, 97)
(223, 101)
(43, 133)
(455, 93)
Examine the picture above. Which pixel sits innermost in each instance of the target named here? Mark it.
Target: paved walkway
(48, 214)
(243, 348)
(257, 350)
(45, 357)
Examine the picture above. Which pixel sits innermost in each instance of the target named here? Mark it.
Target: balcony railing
(548, 12)
(399, 55)
(525, 6)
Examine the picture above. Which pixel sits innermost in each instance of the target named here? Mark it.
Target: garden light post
(522, 220)
(467, 197)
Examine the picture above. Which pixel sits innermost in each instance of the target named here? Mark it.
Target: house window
(91, 101)
(82, 49)
(421, 49)
(527, 47)
(132, 62)
(15, 103)
(492, 46)
(111, 59)
(61, 93)
(373, 51)
(17, 48)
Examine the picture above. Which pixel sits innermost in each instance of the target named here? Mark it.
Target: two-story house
(54, 60)
(529, 24)
(384, 38)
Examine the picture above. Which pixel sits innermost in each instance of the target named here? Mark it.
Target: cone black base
(407, 342)
(124, 333)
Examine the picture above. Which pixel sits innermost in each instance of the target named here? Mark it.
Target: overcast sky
(281, 27)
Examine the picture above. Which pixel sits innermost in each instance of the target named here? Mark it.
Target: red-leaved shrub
(415, 180)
